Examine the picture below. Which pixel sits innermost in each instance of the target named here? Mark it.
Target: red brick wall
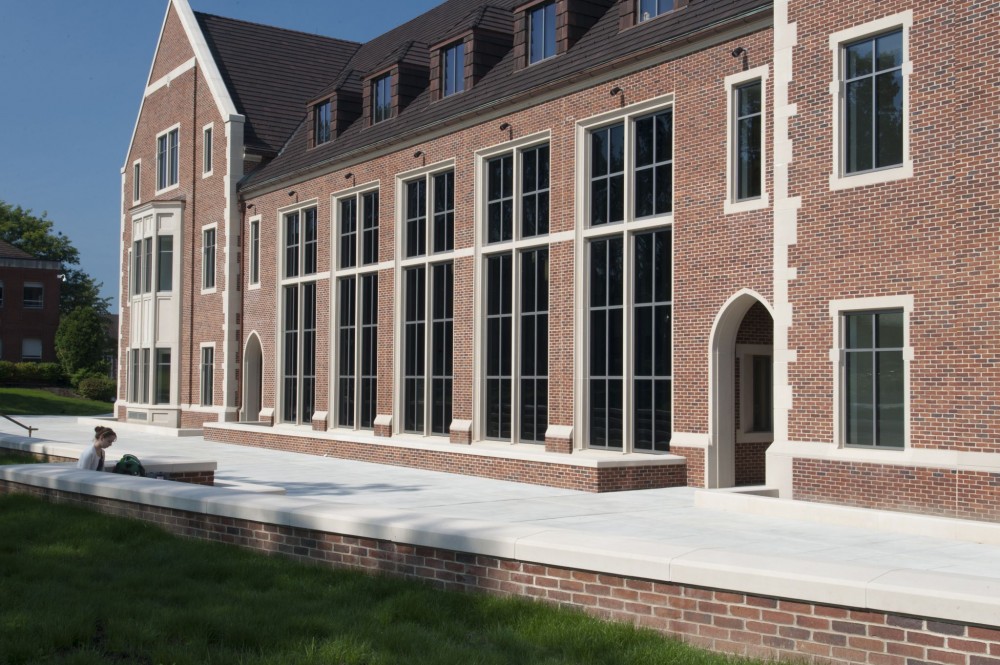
(18, 323)
(933, 235)
(716, 619)
(587, 479)
(935, 491)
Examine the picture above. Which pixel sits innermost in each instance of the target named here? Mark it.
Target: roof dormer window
(321, 123)
(453, 69)
(381, 98)
(541, 32)
(652, 8)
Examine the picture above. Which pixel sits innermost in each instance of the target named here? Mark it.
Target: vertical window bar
(346, 352)
(654, 158)
(413, 349)
(416, 217)
(444, 212)
(369, 212)
(291, 353)
(534, 330)
(442, 332)
(607, 175)
(607, 346)
(311, 244)
(369, 350)
(499, 198)
(348, 232)
(292, 244)
(652, 366)
(308, 352)
(535, 191)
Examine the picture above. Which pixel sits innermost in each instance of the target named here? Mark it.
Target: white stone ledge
(937, 595)
(596, 459)
(883, 521)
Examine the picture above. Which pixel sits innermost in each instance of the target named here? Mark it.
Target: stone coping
(754, 502)
(152, 464)
(883, 588)
(119, 425)
(595, 459)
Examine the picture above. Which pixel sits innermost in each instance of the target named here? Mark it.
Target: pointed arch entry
(253, 376)
(740, 391)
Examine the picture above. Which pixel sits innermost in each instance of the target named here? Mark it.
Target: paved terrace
(936, 568)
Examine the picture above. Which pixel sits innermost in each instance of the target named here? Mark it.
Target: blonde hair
(101, 432)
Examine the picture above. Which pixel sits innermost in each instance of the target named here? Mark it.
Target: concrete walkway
(670, 516)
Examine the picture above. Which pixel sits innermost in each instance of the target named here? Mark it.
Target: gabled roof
(271, 73)
(603, 47)
(9, 251)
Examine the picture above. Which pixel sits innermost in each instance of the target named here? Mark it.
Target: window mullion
(428, 345)
(628, 369)
(628, 179)
(515, 356)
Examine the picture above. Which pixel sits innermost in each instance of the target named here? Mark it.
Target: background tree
(82, 343)
(36, 236)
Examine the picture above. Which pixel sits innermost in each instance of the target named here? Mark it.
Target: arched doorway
(253, 374)
(740, 392)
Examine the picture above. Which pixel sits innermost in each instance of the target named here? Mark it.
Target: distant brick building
(29, 306)
(588, 243)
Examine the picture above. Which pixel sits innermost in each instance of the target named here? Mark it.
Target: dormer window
(541, 32)
(652, 8)
(453, 69)
(381, 98)
(321, 125)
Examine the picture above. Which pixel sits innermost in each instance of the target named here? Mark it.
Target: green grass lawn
(14, 457)
(78, 587)
(34, 402)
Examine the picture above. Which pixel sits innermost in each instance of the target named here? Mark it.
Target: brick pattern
(933, 491)
(586, 479)
(751, 463)
(695, 464)
(715, 619)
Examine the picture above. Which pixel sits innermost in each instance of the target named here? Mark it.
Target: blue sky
(72, 75)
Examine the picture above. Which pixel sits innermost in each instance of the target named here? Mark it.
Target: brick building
(29, 306)
(597, 244)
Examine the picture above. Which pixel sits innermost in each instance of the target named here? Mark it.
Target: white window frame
(279, 302)
(206, 288)
(628, 228)
(253, 252)
(207, 149)
(427, 260)
(839, 179)
(168, 162)
(732, 83)
(357, 271)
(517, 246)
(201, 375)
(838, 356)
(136, 181)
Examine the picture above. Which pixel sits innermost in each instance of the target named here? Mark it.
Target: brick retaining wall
(716, 619)
(584, 478)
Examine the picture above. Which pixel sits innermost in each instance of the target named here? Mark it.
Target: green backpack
(129, 465)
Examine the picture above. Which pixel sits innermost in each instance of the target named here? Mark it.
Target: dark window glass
(762, 391)
(308, 352)
(173, 138)
(136, 191)
(164, 263)
(346, 352)
(206, 147)
(652, 368)
(535, 191)
(348, 232)
(606, 366)
(147, 260)
(607, 175)
(134, 376)
(499, 289)
(542, 32)
(369, 350)
(654, 163)
(441, 348)
(161, 162)
(162, 395)
(254, 252)
(382, 98)
(499, 198)
(416, 217)
(311, 247)
(136, 267)
(321, 112)
(453, 69)
(444, 212)
(290, 364)
(208, 259)
(748, 141)
(207, 375)
(145, 376)
(873, 102)
(414, 327)
(369, 219)
(874, 379)
(652, 8)
(34, 296)
(292, 244)
(534, 370)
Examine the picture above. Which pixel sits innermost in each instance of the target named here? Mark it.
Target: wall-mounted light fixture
(350, 176)
(738, 51)
(291, 192)
(619, 93)
(504, 126)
